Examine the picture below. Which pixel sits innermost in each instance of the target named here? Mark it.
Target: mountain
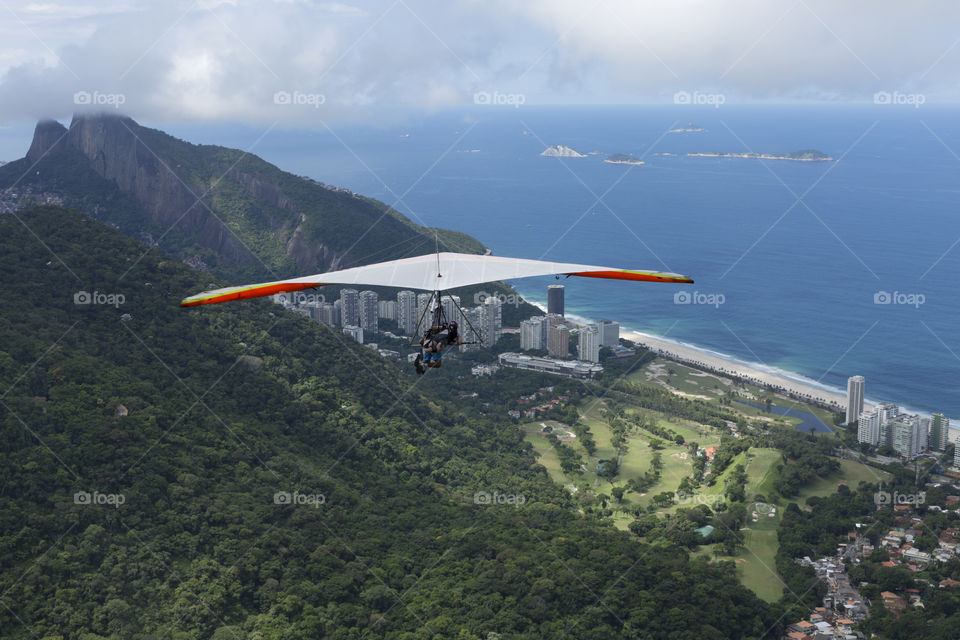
(229, 210)
(217, 209)
(244, 472)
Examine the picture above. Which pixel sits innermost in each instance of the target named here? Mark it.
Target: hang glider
(432, 272)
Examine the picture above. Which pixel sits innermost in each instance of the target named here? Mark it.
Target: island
(623, 158)
(805, 155)
(562, 151)
(690, 128)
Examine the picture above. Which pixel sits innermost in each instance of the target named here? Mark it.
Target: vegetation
(280, 481)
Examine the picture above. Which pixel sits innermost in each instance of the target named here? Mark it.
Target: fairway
(761, 472)
(852, 473)
(758, 567)
(546, 454)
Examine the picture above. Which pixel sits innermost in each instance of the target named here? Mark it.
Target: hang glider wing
(432, 272)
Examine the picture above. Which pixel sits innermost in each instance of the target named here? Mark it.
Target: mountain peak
(46, 135)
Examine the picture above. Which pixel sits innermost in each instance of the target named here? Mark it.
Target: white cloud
(227, 59)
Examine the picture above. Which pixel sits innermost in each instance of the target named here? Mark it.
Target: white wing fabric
(432, 272)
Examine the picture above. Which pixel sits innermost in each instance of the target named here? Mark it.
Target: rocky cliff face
(196, 199)
(47, 137)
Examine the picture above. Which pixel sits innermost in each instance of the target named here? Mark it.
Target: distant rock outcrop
(562, 151)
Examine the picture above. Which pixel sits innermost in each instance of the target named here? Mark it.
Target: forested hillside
(243, 472)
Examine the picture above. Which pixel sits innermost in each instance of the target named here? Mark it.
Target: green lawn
(757, 569)
(851, 474)
(761, 472)
(547, 455)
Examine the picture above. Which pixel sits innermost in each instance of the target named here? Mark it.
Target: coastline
(793, 386)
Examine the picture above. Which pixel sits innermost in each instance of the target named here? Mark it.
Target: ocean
(820, 269)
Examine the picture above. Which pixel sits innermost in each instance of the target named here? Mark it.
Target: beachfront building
(407, 312)
(588, 346)
(855, 389)
(868, 428)
(956, 456)
(369, 311)
(609, 333)
(905, 433)
(531, 333)
(887, 412)
(939, 430)
(555, 299)
(558, 343)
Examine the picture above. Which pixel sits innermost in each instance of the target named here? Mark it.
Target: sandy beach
(778, 383)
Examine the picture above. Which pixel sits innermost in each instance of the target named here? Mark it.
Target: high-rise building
(904, 429)
(555, 299)
(369, 311)
(325, 313)
(868, 428)
(424, 315)
(387, 309)
(354, 332)
(609, 333)
(470, 329)
(349, 308)
(887, 412)
(855, 388)
(588, 346)
(451, 310)
(407, 312)
(558, 344)
(531, 333)
(956, 456)
(490, 321)
(939, 431)
(923, 433)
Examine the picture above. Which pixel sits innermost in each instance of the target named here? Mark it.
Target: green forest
(242, 472)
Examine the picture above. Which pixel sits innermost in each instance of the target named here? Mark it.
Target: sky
(309, 62)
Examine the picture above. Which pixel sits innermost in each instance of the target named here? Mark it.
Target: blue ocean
(821, 269)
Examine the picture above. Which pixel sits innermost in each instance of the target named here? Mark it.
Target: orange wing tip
(640, 276)
(244, 293)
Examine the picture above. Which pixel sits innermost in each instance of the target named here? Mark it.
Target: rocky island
(623, 158)
(806, 155)
(562, 151)
(690, 128)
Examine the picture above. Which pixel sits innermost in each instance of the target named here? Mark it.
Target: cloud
(216, 59)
